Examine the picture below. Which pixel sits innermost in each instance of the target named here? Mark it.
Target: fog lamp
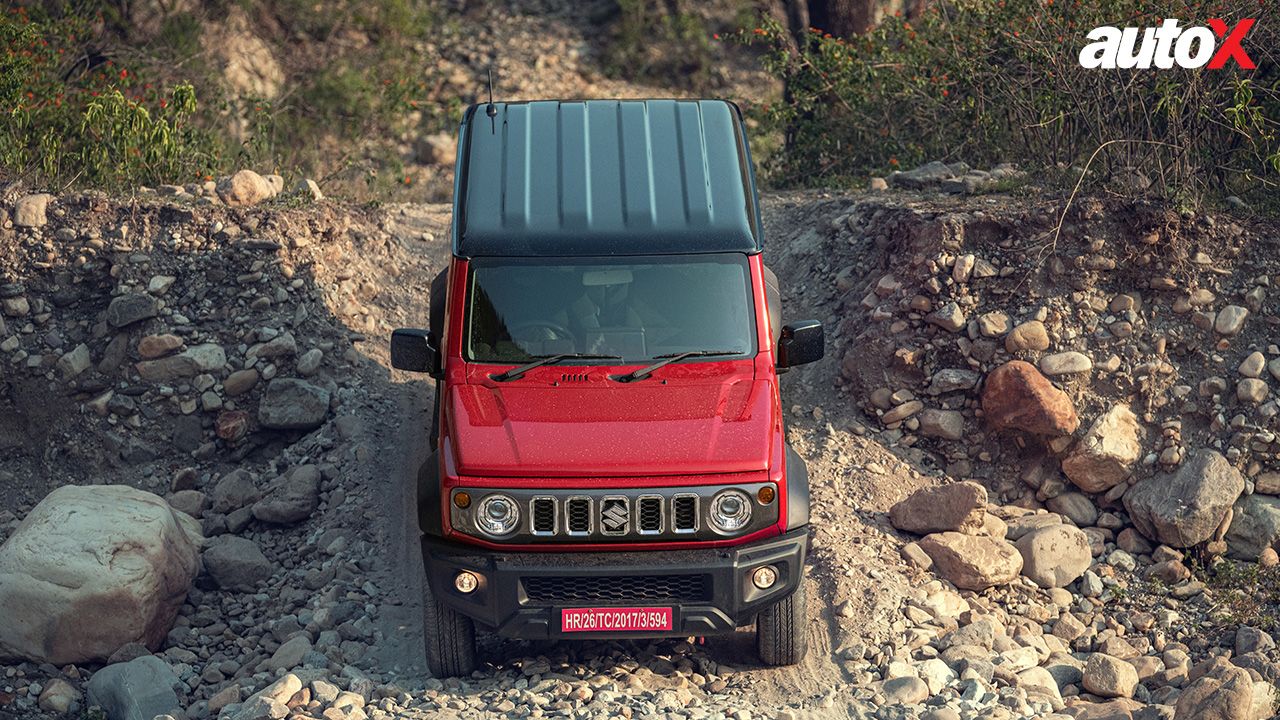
(764, 577)
(466, 582)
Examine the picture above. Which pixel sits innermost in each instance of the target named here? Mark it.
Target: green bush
(75, 114)
(661, 43)
(74, 119)
(986, 82)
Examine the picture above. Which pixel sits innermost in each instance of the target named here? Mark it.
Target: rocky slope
(232, 361)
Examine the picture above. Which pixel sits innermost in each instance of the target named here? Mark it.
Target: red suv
(608, 449)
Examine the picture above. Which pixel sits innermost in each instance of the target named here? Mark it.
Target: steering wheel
(555, 331)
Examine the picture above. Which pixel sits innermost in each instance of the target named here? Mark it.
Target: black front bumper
(521, 594)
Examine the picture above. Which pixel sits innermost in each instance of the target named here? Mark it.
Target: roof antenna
(490, 110)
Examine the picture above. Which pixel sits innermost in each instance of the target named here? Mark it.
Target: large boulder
(1054, 556)
(139, 689)
(1109, 677)
(1016, 396)
(1106, 454)
(1225, 693)
(960, 507)
(91, 569)
(1184, 509)
(244, 188)
(293, 404)
(972, 562)
(1255, 526)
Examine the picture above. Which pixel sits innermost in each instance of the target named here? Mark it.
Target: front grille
(618, 589)
(650, 511)
(611, 514)
(579, 512)
(544, 516)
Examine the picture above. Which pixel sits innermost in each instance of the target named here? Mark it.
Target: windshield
(634, 308)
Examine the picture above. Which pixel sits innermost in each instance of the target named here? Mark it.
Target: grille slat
(684, 513)
(544, 516)
(626, 588)
(578, 512)
(650, 515)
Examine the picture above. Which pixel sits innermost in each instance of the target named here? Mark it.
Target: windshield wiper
(669, 358)
(516, 372)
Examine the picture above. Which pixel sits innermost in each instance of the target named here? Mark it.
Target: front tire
(451, 639)
(781, 637)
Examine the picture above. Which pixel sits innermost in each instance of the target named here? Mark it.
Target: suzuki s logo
(1169, 45)
(613, 515)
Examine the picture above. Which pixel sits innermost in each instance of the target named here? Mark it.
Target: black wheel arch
(429, 520)
(797, 490)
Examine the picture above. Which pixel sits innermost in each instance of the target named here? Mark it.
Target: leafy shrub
(74, 118)
(345, 110)
(660, 42)
(1243, 593)
(90, 99)
(990, 81)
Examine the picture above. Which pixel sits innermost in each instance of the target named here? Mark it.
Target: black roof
(604, 177)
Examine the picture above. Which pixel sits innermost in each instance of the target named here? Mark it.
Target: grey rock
(1108, 676)
(905, 691)
(309, 362)
(261, 708)
(74, 362)
(1054, 556)
(288, 656)
(1255, 526)
(1075, 506)
(1230, 320)
(952, 379)
(240, 382)
(126, 310)
(956, 506)
(945, 424)
(208, 357)
(1184, 509)
(293, 404)
(136, 690)
(236, 563)
(282, 345)
(30, 212)
(1251, 639)
(948, 317)
(290, 498)
(924, 176)
(235, 490)
(1065, 363)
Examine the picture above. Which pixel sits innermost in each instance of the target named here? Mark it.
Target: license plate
(615, 619)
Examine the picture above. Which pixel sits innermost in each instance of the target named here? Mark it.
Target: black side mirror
(415, 350)
(801, 343)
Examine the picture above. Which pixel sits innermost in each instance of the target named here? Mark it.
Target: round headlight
(730, 511)
(497, 515)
